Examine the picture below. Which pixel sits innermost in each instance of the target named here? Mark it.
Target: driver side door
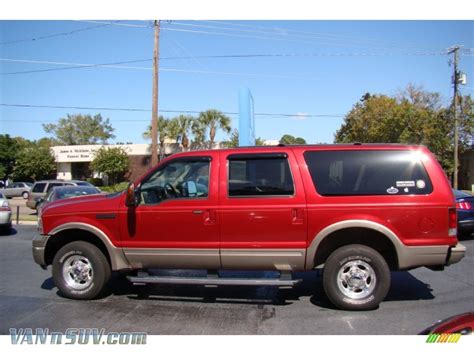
(174, 225)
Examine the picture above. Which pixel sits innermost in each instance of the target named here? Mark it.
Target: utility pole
(154, 109)
(454, 50)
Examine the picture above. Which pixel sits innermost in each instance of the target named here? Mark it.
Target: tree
(289, 139)
(185, 125)
(414, 116)
(81, 129)
(234, 140)
(8, 153)
(214, 120)
(34, 163)
(112, 162)
(167, 128)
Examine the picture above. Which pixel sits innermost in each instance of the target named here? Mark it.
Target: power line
(175, 70)
(260, 114)
(66, 33)
(117, 65)
(284, 32)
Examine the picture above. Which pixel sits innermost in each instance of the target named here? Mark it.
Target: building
(73, 161)
(466, 170)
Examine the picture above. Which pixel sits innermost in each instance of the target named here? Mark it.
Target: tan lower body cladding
(241, 259)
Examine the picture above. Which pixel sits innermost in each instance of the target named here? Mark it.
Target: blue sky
(333, 64)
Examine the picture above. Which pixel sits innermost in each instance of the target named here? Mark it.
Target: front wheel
(81, 270)
(25, 195)
(356, 277)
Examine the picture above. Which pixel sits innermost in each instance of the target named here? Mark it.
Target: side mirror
(190, 188)
(130, 200)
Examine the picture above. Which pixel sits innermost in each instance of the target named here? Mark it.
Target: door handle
(297, 216)
(198, 212)
(210, 217)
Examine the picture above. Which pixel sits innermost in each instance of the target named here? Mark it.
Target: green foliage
(214, 120)
(112, 162)
(413, 117)
(289, 139)
(81, 129)
(115, 188)
(8, 153)
(34, 162)
(234, 140)
(95, 181)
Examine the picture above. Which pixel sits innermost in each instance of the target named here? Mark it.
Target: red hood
(88, 203)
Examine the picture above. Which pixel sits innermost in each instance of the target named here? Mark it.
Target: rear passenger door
(262, 211)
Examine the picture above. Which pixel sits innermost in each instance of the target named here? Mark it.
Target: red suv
(357, 211)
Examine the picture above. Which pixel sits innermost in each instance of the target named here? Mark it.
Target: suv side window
(39, 187)
(259, 175)
(182, 178)
(369, 172)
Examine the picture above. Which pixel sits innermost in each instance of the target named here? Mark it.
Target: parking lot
(28, 298)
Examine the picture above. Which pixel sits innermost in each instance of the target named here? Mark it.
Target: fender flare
(118, 260)
(400, 248)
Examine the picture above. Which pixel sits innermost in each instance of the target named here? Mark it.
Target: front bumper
(39, 247)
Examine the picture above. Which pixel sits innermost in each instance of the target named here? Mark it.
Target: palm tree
(214, 120)
(199, 133)
(185, 125)
(163, 133)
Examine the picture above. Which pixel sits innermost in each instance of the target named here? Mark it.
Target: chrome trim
(211, 281)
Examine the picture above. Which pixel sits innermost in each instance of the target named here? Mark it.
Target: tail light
(452, 222)
(464, 205)
(5, 206)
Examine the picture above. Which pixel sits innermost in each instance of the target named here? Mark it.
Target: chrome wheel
(77, 272)
(356, 279)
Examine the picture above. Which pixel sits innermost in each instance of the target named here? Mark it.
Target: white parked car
(5, 215)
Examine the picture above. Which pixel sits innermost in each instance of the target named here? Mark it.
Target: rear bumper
(439, 255)
(466, 225)
(455, 254)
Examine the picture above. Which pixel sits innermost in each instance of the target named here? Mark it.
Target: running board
(212, 281)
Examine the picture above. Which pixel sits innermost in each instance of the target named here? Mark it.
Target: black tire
(25, 195)
(100, 274)
(361, 256)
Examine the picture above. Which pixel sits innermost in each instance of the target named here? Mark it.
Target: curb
(25, 223)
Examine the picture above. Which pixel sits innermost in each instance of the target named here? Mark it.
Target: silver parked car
(5, 214)
(41, 188)
(64, 192)
(17, 189)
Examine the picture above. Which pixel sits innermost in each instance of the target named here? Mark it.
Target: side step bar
(212, 281)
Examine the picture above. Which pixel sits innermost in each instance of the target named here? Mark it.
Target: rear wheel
(81, 270)
(25, 195)
(356, 277)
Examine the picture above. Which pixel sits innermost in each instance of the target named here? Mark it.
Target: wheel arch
(364, 232)
(70, 232)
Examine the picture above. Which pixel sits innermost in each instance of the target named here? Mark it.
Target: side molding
(117, 257)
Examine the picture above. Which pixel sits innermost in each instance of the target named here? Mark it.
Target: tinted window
(337, 173)
(39, 187)
(178, 179)
(53, 185)
(259, 176)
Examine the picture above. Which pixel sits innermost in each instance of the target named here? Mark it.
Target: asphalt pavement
(29, 298)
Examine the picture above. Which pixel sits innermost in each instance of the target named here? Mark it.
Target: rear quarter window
(351, 173)
(39, 187)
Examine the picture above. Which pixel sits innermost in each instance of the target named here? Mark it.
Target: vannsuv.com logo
(443, 338)
(20, 336)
